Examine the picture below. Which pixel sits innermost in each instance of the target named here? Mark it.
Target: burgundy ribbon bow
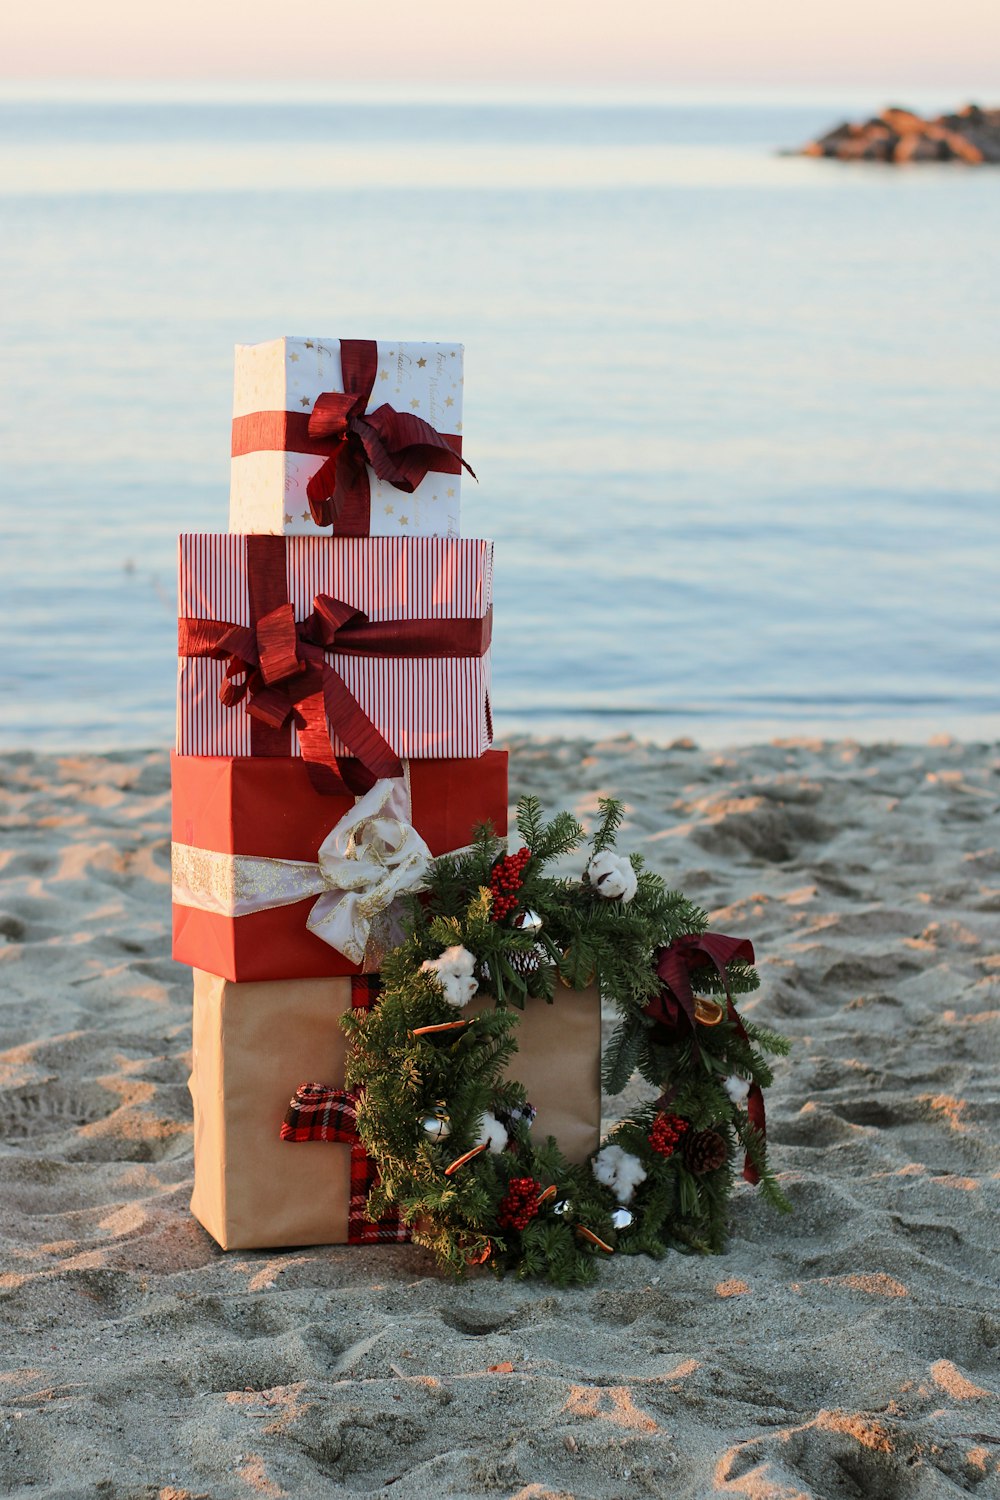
(401, 447)
(675, 1001)
(281, 668)
(286, 678)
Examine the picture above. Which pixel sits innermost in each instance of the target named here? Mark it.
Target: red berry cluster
(666, 1133)
(507, 878)
(520, 1204)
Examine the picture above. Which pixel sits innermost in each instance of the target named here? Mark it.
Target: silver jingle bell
(529, 921)
(622, 1218)
(563, 1207)
(437, 1127)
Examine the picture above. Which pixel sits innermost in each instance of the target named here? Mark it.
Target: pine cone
(530, 962)
(704, 1151)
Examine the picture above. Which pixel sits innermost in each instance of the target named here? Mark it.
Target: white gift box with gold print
(276, 387)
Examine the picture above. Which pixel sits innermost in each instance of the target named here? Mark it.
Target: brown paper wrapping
(254, 1043)
(559, 1063)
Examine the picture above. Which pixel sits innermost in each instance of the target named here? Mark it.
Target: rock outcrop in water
(898, 135)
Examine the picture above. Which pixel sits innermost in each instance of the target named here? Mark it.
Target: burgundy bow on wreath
(674, 1005)
(401, 447)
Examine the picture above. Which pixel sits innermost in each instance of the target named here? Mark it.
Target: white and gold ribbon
(364, 867)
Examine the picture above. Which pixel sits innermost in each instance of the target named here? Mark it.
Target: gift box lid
(289, 373)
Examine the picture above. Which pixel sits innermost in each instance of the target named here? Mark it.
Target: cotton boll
(612, 876)
(618, 1170)
(630, 1174)
(492, 1134)
(453, 972)
(605, 1165)
(737, 1088)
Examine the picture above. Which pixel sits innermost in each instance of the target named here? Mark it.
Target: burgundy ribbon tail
(400, 447)
(755, 1109)
(346, 717)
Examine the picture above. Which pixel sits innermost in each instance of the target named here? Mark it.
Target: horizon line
(807, 94)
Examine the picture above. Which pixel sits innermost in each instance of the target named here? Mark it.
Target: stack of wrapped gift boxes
(333, 734)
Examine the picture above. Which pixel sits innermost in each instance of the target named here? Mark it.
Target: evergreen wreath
(451, 1136)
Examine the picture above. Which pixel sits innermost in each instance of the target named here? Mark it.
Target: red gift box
(269, 808)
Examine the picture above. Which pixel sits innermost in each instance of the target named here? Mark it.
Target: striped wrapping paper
(427, 708)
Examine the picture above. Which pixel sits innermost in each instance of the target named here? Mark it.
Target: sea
(735, 414)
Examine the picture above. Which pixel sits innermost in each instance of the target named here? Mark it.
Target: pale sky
(746, 43)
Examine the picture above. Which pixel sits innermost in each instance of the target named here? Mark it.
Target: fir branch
(763, 1036)
(560, 836)
(755, 1147)
(612, 812)
(621, 1057)
(529, 821)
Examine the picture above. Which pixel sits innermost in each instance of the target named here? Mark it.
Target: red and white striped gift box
(426, 707)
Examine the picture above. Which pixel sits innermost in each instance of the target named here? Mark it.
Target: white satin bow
(365, 865)
(370, 860)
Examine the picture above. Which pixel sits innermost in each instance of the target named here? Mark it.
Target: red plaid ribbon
(318, 1112)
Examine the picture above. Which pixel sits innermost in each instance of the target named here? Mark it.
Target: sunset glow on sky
(744, 43)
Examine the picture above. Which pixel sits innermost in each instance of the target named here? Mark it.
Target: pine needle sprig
(612, 812)
(547, 841)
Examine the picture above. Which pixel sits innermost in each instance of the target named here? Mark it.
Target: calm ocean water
(734, 415)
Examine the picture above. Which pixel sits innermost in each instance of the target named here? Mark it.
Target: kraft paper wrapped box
(248, 834)
(286, 644)
(280, 444)
(255, 1044)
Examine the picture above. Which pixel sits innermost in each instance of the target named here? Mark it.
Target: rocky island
(972, 135)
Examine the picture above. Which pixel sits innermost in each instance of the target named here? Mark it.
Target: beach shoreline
(847, 1350)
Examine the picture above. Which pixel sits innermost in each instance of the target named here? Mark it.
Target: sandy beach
(852, 1350)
